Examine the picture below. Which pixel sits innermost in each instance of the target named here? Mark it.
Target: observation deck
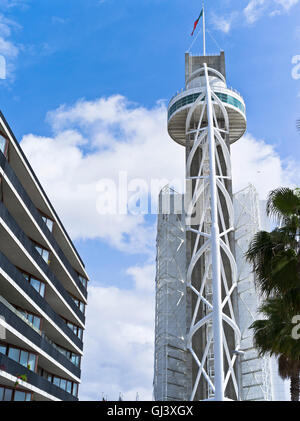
(181, 103)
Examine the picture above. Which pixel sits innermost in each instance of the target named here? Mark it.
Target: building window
(74, 358)
(25, 358)
(76, 329)
(7, 394)
(82, 280)
(79, 304)
(38, 285)
(32, 318)
(75, 389)
(48, 222)
(67, 385)
(3, 145)
(42, 251)
(22, 396)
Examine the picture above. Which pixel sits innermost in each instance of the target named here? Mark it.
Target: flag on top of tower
(197, 21)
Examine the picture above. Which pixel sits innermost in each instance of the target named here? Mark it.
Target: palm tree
(276, 262)
(284, 204)
(272, 335)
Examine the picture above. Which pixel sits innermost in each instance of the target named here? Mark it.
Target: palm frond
(282, 204)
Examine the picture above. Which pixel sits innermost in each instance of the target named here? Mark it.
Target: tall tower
(206, 118)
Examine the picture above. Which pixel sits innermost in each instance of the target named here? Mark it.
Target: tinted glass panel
(14, 354)
(19, 396)
(75, 387)
(69, 387)
(24, 358)
(1, 393)
(2, 144)
(7, 395)
(28, 397)
(35, 283)
(36, 322)
(31, 362)
(56, 381)
(45, 255)
(30, 318)
(49, 224)
(39, 250)
(63, 384)
(42, 290)
(2, 349)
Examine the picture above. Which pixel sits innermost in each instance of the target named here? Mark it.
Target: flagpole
(204, 38)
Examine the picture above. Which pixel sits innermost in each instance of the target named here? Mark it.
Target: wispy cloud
(9, 4)
(256, 9)
(9, 50)
(224, 23)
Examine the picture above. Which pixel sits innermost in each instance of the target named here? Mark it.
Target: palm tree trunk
(295, 387)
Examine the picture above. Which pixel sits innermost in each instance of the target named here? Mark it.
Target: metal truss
(212, 270)
(171, 374)
(256, 370)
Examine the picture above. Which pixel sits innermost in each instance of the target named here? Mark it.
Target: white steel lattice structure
(256, 370)
(208, 138)
(206, 118)
(172, 379)
(170, 366)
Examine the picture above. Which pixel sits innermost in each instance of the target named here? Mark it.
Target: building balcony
(20, 333)
(60, 264)
(26, 296)
(22, 253)
(41, 387)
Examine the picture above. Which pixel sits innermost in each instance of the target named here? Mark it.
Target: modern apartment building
(43, 288)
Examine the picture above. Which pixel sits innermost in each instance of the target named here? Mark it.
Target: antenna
(204, 37)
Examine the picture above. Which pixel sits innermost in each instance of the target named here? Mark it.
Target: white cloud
(122, 137)
(286, 4)
(224, 23)
(97, 139)
(254, 161)
(143, 277)
(8, 49)
(119, 341)
(255, 9)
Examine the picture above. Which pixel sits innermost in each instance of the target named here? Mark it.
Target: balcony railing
(15, 369)
(31, 250)
(29, 290)
(39, 219)
(36, 338)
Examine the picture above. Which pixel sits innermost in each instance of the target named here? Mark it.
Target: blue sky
(85, 94)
